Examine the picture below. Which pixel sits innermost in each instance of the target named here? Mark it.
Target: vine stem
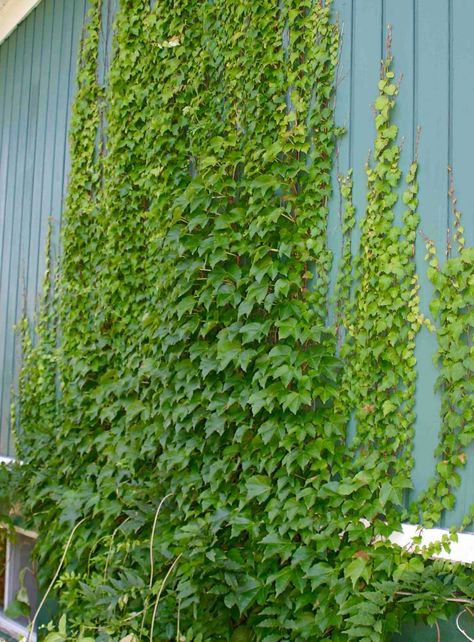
(53, 581)
(460, 629)
(178, 632)
(152, 537)
(109, 552)
(152, 561)
(457, 600)
(157, 601)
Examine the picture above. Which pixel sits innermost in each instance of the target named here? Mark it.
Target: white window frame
(10, 626)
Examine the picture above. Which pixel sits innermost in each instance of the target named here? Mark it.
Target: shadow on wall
(448, 631)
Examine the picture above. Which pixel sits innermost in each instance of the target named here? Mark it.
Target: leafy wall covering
(184, 403)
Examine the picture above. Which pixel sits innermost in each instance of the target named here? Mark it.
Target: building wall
(434, 52)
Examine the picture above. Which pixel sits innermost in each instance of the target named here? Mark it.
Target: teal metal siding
(434, 53)
(37, 70)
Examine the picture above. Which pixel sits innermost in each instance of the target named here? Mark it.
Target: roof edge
(12, 12)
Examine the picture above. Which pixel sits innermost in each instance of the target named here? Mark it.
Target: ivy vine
(379, 377)
(184, 406)
(452, 308)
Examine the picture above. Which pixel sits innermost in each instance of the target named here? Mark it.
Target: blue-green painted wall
(433, 51)
(37, 72)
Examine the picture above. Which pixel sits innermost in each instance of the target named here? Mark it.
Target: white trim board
(460, 551)
(12, 13)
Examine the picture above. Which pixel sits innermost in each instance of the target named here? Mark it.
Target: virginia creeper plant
(185, 395)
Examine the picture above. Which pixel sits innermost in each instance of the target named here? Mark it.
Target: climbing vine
(183, 411)
(345, 278)
(379, 377)
(453, 283)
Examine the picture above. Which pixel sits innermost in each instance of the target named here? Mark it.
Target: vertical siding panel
(3, 80)
(462, 103)
(342, 118)
(9, 51)
(33, 157)
(17, 273)
(366, 56)
(344, 84)
(61, 125)
(367, 20)
(38, 214)
(4, 139)
(399, 18)
(462, 144)
(9, 204)
(50, 203)
(80, 8)
(432, 55)
(399, 14)
(103, 43)
(5, 55)
(32, 138)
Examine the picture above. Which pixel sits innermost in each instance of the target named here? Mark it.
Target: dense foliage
(185, 402)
